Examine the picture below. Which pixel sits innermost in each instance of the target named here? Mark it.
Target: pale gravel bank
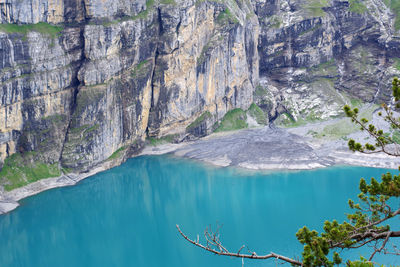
(267, 148)
(271, 148)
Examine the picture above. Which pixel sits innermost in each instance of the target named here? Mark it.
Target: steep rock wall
(84, 80)
(316, 56)
(114, 76)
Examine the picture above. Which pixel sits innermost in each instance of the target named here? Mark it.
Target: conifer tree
(366, 225)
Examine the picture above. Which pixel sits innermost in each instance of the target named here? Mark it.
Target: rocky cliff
(316, 56)
(83, 82)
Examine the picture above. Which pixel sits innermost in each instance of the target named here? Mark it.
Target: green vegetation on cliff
(199, 120)
(41, 27)
(227, 16)
(117, 153)
(397, 63)
(154, 141)
(357, 6)
(371, 221)
(203, 55)
(21, 170)
(257, 113)
(314, 7)
(287, 120)
(325, 69)
(275, 22)
(233, 120)
(139, 68)
(141, 15)
(168, 2)
(394, 5)
(144, 13)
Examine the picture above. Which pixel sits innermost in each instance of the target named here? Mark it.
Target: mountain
(84, 82)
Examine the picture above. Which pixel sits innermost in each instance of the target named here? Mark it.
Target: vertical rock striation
(315, 56)
(119, 72)
(83, 80)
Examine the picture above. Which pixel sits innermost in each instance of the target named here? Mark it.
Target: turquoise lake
(126, 216)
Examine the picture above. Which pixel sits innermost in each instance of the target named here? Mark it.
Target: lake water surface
(126, 216)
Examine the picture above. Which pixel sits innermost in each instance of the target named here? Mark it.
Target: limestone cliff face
(95, 76)
(114, 76)
(315, 56)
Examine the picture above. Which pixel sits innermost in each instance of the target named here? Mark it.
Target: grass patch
(345, 127)
(56, 118)
(153, 141)
(141, 15)
(256, 112)
(78, 129)
(397, 63)
(82, 133)
(328, 68)
(201, 59)
(117, 153)
(355, 102)
(394, 5)
(287, 120)
(260, 91)
(168, 2)
(84, 129)
(275, 22)
(233, 120)
(314, 7)
(338, 130)
(356, 6)
(66, 170)
(226, 16)
(21, 170)
(199, 120)
(138, 69)
(92, 128)
(41, 27)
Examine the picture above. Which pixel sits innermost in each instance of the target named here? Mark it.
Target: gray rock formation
(84, 80)
(316, 56)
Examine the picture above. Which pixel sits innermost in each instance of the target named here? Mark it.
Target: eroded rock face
(316, 56)
(117, 75)
(121, 71)
(66, 11)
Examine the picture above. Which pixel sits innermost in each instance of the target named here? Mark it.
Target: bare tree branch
(253, 255)
(364, 227)
(383, 245)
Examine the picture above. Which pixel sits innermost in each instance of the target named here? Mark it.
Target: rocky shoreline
(267, 148)
(9, 200)
(83, 80)
(271, 148)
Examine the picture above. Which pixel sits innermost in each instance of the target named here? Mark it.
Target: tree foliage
(383, 141)
(367, 224)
